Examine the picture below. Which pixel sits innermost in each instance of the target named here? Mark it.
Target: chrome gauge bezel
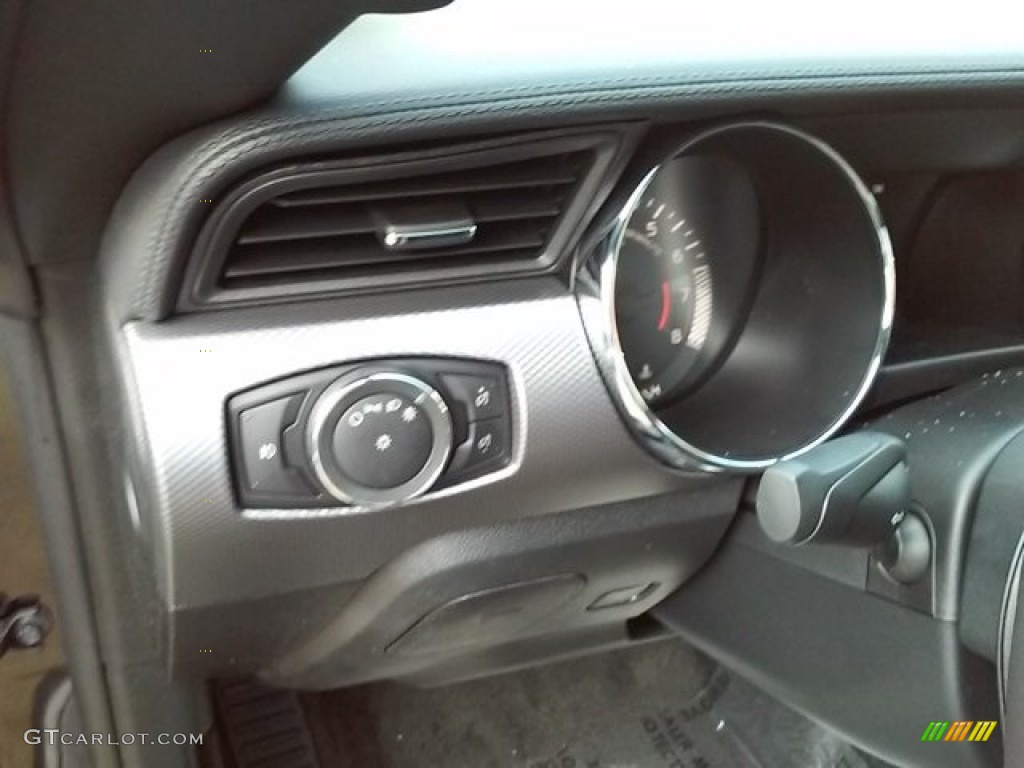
(595, 283)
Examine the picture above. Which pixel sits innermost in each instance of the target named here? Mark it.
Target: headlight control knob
(379, 438)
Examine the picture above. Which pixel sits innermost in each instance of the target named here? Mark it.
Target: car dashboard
(467, 349)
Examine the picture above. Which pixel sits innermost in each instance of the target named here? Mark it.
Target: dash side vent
(326, 227)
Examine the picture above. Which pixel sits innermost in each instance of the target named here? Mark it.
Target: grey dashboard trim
(572, 449)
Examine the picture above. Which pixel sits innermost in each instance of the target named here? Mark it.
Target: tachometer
(663, 298)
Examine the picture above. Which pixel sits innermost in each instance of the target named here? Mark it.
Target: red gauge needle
(666, 306)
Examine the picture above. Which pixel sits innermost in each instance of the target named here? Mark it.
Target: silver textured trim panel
(572, 449)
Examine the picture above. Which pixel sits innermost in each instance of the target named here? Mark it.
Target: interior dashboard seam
(742, 76)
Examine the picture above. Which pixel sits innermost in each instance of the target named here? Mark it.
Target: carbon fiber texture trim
(571, 449)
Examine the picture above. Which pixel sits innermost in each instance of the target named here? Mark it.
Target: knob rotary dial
(379, 438)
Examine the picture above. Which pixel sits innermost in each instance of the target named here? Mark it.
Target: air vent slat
(270, 225)
(531, 173)
(334, 253)
(510, 205)
(336, 226)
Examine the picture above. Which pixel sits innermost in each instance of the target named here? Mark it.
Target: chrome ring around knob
(333, 402)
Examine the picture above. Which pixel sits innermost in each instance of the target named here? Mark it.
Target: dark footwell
(660, 705)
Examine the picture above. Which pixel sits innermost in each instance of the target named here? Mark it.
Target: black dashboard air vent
(340, 228)
(379, 222)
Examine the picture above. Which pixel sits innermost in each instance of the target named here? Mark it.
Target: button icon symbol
(393, 405)
(483, 397)
(267, 451)
(651, 392)
(483, 445)
(355, 419)
(383, 443)
(377, 407)
(409, 414)
(645, 373)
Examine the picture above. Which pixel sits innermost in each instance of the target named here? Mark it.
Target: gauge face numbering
(663, 298)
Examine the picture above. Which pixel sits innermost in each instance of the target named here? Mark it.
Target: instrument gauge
(664, 299)
(741, 299)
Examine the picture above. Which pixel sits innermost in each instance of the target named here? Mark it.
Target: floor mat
(661, 705)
